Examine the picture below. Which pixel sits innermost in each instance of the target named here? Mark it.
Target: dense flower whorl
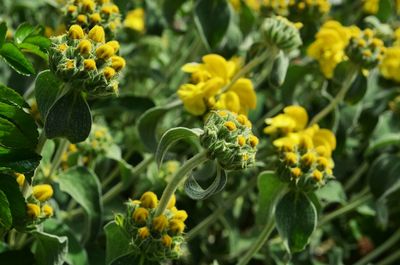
(86, 60)
(390, 65)
(365, 50)
(157, 237)
(37, 208)
(280, 32)
(305, 153)
(89, 13)
(228, 139)
(206, 90)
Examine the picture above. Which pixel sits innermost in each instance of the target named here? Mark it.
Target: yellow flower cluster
(37, 208)
(135, 20)
(206, 90)
(330, 44)
(305, 153)
(88, 13)
(156, 237)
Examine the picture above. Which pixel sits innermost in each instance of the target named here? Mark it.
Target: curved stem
(177, 178)
(220, 210)
(262, 238)
(381, 249)
(345, 209)
(267, 57)
(356, 176)
(351, 75)
(62, 147)
(390, 259)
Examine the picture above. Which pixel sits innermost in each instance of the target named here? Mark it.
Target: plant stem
(267, 57)
(62, 147)
(177, 178)
(220, 210)
(345, 209)
(41, 141)
(262, 238)
(351, 75)
(390, 259)
(356, 176)
(381, 249)
(115, 171)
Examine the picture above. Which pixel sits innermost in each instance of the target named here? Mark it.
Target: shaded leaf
(48, 88)
(5, 214)
(118, 242)
(3, 33)
(16, 59)
(50, 249)
(22, 32)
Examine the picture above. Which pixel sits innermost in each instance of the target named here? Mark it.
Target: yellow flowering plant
(199, 132)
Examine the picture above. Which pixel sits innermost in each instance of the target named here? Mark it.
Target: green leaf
(383, 176)
(22, 32)
(10, 188)
(279, 69)
(296, 220)
(196, 192)
(40, 41)
(48, 88)
(170, 7)
(212, 19)
(5, 214)
(171, 136)
(357, 90)
(332, 192)
(50, 249)
(11, 97)
(3, 33)
(147, 124)
(118, 242)
(33, 49)
(76, 253)
(19, 160)
(16, 59)
(270, 188)
(84, 187)
(386, 133)
(69, 117)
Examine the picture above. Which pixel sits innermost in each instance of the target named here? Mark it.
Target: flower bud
(176, 226)
(71, 9)
(81, 19)
(108, 72)
(171, 202)
(20, 179)
(317, 175)
(117, 63)
(180, 215)
(47, 210)
(296, 172)
(149, 200)
(140, 215)
(95, 18)
(89, 64)
(160, 223)
(32, 210)
(75, 32)
(143, 232)
(282, 33)
(84, 47)
(114, 44)
(104, 51)
(166, 240)
(42, 192)
(97, 34)
(88, 5)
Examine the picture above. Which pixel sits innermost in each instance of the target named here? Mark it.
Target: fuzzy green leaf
(50, 249)
(16, 59)
(118, 242)
(296, 220)
(5, 214)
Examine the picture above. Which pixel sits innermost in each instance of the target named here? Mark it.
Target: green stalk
(220, 210)
(57, 157)
(351, 75)
(177, 179)
(262, 238)
(390, 259)
(381, 249)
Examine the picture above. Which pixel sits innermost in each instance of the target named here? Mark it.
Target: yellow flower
(75, 32)
(294, 118)
(371, 6)
(32, 210)
(176, 226)
(140, 215)
(114, 44)
(20, 179)
(84, 47)
(143, 232)
(135, 19)
(160, 223)
(166, 240)
(89, 64)
(180, 214)
(390, 64)
(329, 46)
(117, 62)
(42, 192)
(95, 18)
(149, 200)
(47, 210)
(97, 34)
(171, 202)
(108, 72)
(104, 51)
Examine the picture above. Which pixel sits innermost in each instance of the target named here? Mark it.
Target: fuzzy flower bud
(149, 200)
(42, 192)
(166, 240)
(47, 210)
(109, 72)
(89, 64)
(282, 33)
(143, 232)
(160, 223)
(75, 32)
(20, 179)
(140, 215)
(114, 44)
(84, 47)
(176, 226)
(221, 138)
(104, 51)
(117, 62)
(97, 34)
(95, 18)
(32, 210)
